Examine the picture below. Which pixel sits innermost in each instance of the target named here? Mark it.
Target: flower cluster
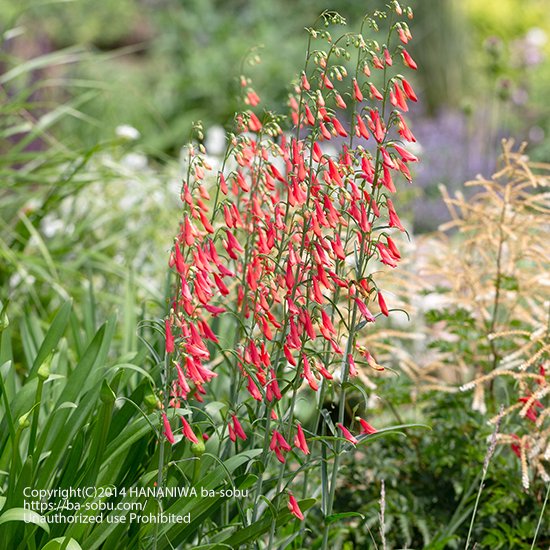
(277, 251)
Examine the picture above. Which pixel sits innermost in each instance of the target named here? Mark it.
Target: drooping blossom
(238, 428)
(408, 60)
(169, 337)
(188, 432)
(294, 508)
(300, 440)
(366, 428)
(347, 434)
(168, 429)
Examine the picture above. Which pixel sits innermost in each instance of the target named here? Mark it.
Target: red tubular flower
(382, 304)
(338, 127)
(328, 84)
(377, 63)
(408, 60)
(272, 389)
(375, 93)
(385, 256)
(281, 441)
(308, 375)
(254, 123)
(357, 91)
(403, 129)
(366, 428)
(188, 432)
(309, 116)
(340, 102)
(377, 128)
(365, 310)
(387, 180)
(387, 160)
(169, 337)
(400, 98)
(167, 429)
(326, 327)
(368, 170)
(253, 389)
(252, 98)
(294, 508)
(405, 155)
(238, 428)
(300, 440)
(409, 92)
(393, 249)
(347, 434)
(232, 434)
(394, 218)
(324, 132)
(179, 259)
(277, 451)
(360, 128)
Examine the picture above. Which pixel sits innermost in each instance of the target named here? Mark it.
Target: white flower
(536, 37)
(125, 131)
(215, 140)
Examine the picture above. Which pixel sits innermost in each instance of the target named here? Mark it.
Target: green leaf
(26, 516)
(337, 517)
(258, 528)
(62, 543)
(54, 334)
(135, 368)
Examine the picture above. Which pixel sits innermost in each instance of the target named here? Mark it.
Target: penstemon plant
(274, 281)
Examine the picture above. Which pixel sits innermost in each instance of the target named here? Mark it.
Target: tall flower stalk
(274, 262)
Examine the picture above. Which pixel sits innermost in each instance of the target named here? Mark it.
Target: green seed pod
(43, 372)
(24, 421)
(152, 401)
(198, 448)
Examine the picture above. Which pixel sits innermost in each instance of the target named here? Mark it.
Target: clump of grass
(484, 281)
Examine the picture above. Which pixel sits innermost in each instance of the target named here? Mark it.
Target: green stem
(540, 517)
(160, 474)
(35, 416)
